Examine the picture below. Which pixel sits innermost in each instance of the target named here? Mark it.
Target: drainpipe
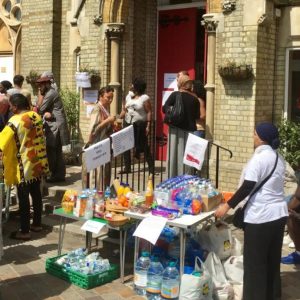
(114, 32)
(210, 23)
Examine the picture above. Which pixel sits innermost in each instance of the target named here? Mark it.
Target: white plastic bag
(236, 248)
(234, 269)
(222, 290)
(220, 240)
(196, 287)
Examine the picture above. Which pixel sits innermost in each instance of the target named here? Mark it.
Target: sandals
(18, 235)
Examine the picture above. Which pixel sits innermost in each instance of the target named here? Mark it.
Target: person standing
(102, 125)
(137, 111)
(25, 162)
(265, 215)
(51, 108)
(5, 112)
(178, 135)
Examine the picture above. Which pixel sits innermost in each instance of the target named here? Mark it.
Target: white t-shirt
(268, 203)
(135, 110)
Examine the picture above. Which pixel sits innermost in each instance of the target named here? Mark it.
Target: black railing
(138, 177)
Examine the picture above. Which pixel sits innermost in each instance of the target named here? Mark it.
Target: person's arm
(47, 103)
(202, 109)
(244, 191)
(123, 111)
(102, 124)
(148, 109)
(6, 137)
(170, 102)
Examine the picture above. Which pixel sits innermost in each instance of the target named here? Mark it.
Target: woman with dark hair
(101, 126)
(5, 85)
(265, 215)
(137, 111)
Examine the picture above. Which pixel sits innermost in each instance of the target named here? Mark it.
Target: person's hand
(111, 119)
(222, 210)
(147, 130)
(294, 214)
(47, 115)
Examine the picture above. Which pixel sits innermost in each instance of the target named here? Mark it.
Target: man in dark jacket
(57, 134)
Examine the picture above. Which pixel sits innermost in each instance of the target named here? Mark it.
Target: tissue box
(210, 203)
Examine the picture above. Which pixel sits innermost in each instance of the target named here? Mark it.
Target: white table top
(185, 221)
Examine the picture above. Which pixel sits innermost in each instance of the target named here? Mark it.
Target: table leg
(62, 228)
(123, 235)
(136, 247)
(182, 250)
(88, 241)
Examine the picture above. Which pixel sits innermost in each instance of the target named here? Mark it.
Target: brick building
(153, 39)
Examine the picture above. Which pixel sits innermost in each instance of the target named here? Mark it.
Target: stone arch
(115, 11)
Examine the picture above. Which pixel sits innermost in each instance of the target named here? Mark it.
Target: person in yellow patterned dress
(25, 162)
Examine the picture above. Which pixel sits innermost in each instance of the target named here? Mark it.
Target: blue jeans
(200, 133)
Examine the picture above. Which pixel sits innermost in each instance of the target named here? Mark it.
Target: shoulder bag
(238, 217)
(174, 115)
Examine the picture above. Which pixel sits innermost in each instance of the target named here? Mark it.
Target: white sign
(195, 151)
(90, 96)
(97, 155)
(165, 96)
(122, 140)
(170, 81)
(83, 79)
(150, 228)
(92, 226)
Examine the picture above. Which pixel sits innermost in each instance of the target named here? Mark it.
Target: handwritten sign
(150, 229)
(194, 151)
(97, 155)
(122, 140)
(92, 226)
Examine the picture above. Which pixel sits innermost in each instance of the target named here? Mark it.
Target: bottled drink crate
(79, 279)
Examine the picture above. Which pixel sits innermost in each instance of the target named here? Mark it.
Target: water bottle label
(140, 280)
(153, 287)
(170, 292)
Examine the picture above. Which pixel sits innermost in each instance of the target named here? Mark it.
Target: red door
(176, 52)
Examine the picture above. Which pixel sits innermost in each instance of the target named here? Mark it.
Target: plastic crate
(79, 279)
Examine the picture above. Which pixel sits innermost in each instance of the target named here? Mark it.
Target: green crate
(81, 280)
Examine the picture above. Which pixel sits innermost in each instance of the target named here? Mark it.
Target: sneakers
(292, 258)
(292, 245)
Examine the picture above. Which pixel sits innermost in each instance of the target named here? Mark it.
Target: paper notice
(122, 140)
(150, 228)
(97, 155)
(92, 226)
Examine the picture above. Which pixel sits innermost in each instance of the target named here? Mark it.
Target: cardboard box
(210, 203)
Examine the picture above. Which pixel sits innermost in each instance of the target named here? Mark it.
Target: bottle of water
(154, 279)
(170, 282)
(107, 193)
(89, 210)
(140, 273)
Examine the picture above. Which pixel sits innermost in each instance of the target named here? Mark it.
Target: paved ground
(22, 269)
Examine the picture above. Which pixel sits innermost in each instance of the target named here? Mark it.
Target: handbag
(238, 217)
(175, 114)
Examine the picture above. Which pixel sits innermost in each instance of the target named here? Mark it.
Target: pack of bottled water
(79, 261)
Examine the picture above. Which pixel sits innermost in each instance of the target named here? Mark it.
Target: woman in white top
(265, 216)
(137, 111)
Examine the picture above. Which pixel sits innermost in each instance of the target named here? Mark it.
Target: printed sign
(194, 153)
(92, 226)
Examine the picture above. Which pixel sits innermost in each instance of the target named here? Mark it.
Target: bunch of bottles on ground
(151, 279)
(79, 261)
(184, 192)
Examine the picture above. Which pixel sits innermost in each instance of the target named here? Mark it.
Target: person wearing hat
(51, 108)
(265, 215)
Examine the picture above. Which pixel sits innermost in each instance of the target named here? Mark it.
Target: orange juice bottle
(149, 192)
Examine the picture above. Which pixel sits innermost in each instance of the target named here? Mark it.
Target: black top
(191, 109)
(4, 118)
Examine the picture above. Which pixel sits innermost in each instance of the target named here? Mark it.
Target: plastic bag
(234, 269)
(220, 240)
(195, 287)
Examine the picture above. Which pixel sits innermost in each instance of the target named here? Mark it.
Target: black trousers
(24, 189)
(262, 254)
(56, 162)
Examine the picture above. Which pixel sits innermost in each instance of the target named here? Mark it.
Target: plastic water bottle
(140, 273)
(107, 193)
(89, 210)
(170, 282)
(154, 279)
